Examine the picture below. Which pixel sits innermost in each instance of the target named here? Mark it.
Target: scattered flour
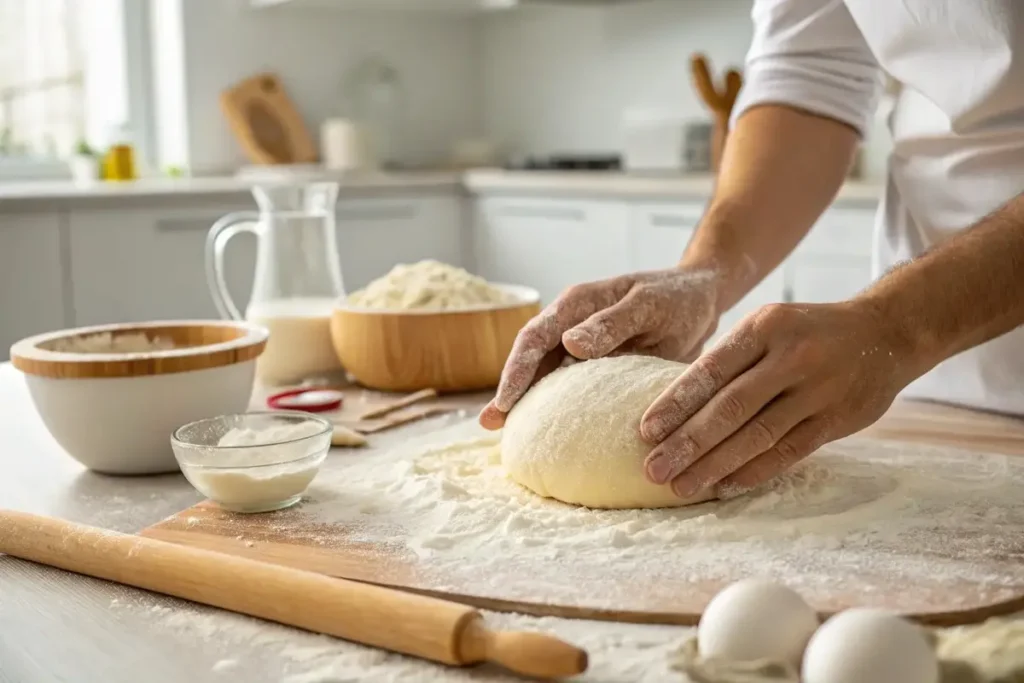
(429, 285)
(885, 518)
(893, 517)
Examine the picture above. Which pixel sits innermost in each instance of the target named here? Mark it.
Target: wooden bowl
(115, 412)
(456, 350)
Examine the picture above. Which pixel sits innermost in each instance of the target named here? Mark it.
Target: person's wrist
(914, 350)
(725, 282)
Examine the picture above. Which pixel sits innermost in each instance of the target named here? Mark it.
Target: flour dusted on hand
(429, 285)
(105, 342)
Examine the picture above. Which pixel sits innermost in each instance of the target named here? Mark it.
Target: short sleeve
(812, 55)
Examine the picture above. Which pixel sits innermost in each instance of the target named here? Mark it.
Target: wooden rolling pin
(416, 625)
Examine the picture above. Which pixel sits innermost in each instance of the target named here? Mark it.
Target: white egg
(756, 619)
(869, 646)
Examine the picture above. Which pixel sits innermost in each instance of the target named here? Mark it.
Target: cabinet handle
(185, 224)
(553, 213)
(378, 213)
(667, 220)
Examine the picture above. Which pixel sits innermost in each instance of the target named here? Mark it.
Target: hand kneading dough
(575, 436)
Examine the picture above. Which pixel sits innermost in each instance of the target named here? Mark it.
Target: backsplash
(561, 78)
(312, 49)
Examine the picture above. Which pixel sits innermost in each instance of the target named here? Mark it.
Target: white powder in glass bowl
(261, 469)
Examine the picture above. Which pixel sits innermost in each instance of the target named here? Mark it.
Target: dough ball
(575, 436)
(755, 619)
(869, 646)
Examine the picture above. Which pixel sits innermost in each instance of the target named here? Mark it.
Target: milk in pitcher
(300, 345)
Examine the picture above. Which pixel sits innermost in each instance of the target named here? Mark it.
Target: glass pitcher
(297, 279)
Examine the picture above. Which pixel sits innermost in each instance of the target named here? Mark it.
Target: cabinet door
(376, 234)
(658, 233)
(771, 290)
(146, 263)
(841, 231)
(549, 244)
(32, 297)
(828, 279)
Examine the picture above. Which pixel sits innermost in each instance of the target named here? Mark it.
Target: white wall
(311, 49)
(560, 78)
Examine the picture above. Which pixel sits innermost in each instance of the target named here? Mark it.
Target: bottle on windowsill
(119, 161)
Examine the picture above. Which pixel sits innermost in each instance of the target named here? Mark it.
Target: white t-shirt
(957, 127)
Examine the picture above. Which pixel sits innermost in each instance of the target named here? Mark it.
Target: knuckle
(732, 408)
(762, 436)
(685, 447)
(713, 369)
(808, 351)
(531, 336)
(788, 452)
(770, 316)
(576, 293)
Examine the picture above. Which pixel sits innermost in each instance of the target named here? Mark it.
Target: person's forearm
(960, 294)
(781, 169)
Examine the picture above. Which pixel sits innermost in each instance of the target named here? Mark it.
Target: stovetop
(569, 162)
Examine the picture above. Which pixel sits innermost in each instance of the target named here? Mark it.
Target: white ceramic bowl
(267, 466)
(114, 412)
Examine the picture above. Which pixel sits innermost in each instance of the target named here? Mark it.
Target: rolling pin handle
(531, 654)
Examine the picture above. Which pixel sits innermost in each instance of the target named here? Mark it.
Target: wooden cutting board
(266, 123)
(995, 584)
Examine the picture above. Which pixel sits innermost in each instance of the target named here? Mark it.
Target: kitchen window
(64, 79)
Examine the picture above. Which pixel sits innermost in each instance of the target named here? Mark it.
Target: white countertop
(55, 625)
(624, 185)
(594, 184)
(66, 189)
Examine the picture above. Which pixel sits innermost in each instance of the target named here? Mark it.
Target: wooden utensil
(399, 419)
(266, 122)
(381, 411)
(403, 622)
(719, 102)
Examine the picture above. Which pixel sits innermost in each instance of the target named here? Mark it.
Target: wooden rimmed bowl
(451, 351)
(114, 412)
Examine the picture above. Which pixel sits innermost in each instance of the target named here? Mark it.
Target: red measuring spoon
(310, 400)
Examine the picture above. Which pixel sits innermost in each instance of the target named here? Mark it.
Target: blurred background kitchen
(541, 142)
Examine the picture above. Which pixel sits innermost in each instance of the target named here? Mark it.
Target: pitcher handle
(216, 242)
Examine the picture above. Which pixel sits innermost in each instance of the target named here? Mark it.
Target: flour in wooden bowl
(429, 285)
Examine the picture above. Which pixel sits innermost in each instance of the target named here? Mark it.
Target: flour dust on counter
(857, 519)
(618, 652)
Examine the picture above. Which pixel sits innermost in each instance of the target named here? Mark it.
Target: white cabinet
(33, 277)
(771, 290)
(833, 262)
(375, 234)
(141, 263)
(827, 279)
(659, 233)
(549, 244)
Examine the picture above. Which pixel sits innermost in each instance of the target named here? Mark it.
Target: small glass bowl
(265, 475)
